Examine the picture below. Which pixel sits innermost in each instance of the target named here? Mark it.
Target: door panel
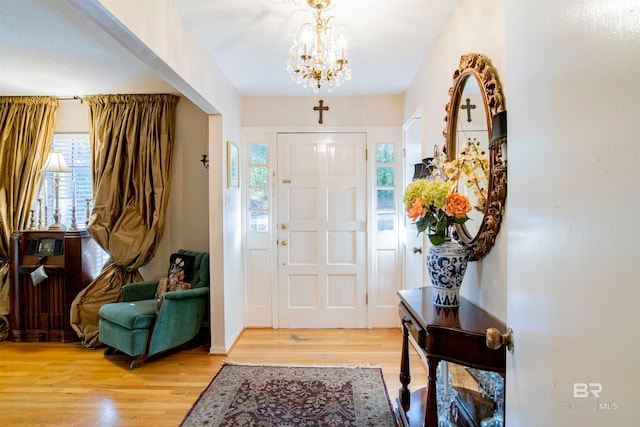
(321, 230)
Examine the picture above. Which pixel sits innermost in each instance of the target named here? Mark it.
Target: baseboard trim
(227, 348)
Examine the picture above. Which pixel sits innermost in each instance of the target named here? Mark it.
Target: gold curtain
(131, 142)
(26, 135)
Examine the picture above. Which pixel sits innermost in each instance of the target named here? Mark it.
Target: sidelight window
(385, 187)
(258, 188)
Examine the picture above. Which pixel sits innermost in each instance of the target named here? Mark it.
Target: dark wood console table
(455, 335)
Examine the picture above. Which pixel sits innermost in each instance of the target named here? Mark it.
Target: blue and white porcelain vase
(446, 264)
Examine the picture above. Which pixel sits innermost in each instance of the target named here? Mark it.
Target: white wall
(73, 117)
(344, 111)
(569, 73)
(474, 27)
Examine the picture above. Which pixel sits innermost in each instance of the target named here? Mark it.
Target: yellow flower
(471, 169)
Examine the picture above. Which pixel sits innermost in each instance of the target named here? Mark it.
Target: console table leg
(431, 414)
(405, 373)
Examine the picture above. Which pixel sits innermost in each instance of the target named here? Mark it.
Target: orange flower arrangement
(435, 206)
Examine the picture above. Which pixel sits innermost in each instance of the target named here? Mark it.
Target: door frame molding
(419, 114)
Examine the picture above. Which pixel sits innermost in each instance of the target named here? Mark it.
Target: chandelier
(318, 53)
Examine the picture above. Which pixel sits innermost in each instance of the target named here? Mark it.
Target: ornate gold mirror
(476, 99)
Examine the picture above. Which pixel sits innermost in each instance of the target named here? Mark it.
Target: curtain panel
(131, 143)
(26, 135)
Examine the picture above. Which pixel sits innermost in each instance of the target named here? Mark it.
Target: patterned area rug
(283, 396)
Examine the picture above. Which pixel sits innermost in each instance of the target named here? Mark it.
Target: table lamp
(55, 163)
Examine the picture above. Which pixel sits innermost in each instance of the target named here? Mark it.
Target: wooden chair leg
(109, 351)
(137, 361)
(191, 344)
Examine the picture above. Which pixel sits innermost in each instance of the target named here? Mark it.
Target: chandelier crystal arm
(318, 54)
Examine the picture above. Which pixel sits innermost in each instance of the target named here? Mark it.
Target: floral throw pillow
(180, 274)
(180, 269)
(163, 286)
(179, 286)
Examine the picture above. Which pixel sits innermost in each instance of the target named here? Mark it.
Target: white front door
(321, 236)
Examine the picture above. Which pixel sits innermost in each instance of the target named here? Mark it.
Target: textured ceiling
(49, 48)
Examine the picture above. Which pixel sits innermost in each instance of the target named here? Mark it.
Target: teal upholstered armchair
(151, 318)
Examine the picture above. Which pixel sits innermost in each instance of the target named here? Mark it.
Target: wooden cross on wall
(469, 106)
(320, 108)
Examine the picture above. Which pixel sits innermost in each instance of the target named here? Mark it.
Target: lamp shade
(56, 163)
(419, 171)
(498, 130)
(424, 169)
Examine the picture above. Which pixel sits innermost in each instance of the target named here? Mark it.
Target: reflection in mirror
(476, 96)
(472, 147)
(478, 396)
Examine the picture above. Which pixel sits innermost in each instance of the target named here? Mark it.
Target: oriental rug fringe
(293, 396)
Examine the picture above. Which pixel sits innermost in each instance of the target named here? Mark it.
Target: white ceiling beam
(101, 16)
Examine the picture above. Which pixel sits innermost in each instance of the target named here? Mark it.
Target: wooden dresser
(71, 261)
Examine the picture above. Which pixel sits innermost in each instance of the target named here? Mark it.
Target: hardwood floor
(64, 384)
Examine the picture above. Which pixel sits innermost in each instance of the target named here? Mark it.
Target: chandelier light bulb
(318, 56)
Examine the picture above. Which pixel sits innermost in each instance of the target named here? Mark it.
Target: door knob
(283, 242)
(496, 339)
(417, 250)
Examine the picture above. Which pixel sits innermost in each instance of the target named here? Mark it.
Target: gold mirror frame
(474, 65)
